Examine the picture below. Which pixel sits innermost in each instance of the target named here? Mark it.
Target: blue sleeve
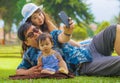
(26, 61)
(24, 64)
(29, 58)
(54, 35)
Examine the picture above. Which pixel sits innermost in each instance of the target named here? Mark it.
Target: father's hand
(34, 70)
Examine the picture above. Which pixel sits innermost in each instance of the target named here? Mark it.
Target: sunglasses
(31, 34)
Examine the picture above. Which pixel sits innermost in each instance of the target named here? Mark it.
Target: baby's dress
(50, 62)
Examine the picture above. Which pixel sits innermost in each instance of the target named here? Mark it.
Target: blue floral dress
(71, 54)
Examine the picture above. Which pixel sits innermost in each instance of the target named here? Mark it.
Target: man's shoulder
(32, 50)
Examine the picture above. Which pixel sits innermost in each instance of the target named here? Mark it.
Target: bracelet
(67, 34)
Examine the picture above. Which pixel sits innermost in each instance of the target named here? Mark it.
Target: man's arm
(32, 70)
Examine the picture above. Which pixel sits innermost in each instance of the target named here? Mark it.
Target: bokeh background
(90, 16)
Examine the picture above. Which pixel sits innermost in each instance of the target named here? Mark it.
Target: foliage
(11, 11)
(18, 15)
(102, 26)
(76, 9)
(79, 33)
(117, 19)
(89, 31)
(10, 8)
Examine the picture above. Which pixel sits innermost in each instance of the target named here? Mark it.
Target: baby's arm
(39, 61)
(63, 67)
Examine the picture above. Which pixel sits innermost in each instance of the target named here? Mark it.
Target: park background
(90, 16)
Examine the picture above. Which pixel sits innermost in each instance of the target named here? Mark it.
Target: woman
(101, 63)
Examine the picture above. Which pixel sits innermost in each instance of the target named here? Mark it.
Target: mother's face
(37, 18)
(31, 36)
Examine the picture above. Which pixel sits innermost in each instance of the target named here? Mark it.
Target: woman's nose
(39, 17)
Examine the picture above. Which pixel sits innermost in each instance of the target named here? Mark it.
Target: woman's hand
(69, 30)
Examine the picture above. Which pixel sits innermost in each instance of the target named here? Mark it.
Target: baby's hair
(43, 37)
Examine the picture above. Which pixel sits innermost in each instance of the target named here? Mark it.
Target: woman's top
(72, 55)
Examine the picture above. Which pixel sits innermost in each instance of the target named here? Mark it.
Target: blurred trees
(76, 9)
(117, 18)
(102, 26)
(9, 9)
(79, 32)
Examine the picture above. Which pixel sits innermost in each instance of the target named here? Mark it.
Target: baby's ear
(52, 44)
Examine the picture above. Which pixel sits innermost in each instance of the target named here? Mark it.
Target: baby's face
(45, 45)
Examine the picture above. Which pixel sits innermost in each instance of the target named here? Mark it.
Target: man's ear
(26, 42)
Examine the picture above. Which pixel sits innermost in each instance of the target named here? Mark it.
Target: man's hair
(22, 30)
(21, 35)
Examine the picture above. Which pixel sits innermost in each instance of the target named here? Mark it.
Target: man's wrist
(67, 34)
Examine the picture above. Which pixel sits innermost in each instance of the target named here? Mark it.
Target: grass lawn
(9, 62)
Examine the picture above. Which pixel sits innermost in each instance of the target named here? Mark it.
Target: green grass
(9, 62)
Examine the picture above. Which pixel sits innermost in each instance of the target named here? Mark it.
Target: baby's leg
(63, 67)
(47, 71)
(117, 40)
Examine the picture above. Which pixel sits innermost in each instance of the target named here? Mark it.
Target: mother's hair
(22, 30)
